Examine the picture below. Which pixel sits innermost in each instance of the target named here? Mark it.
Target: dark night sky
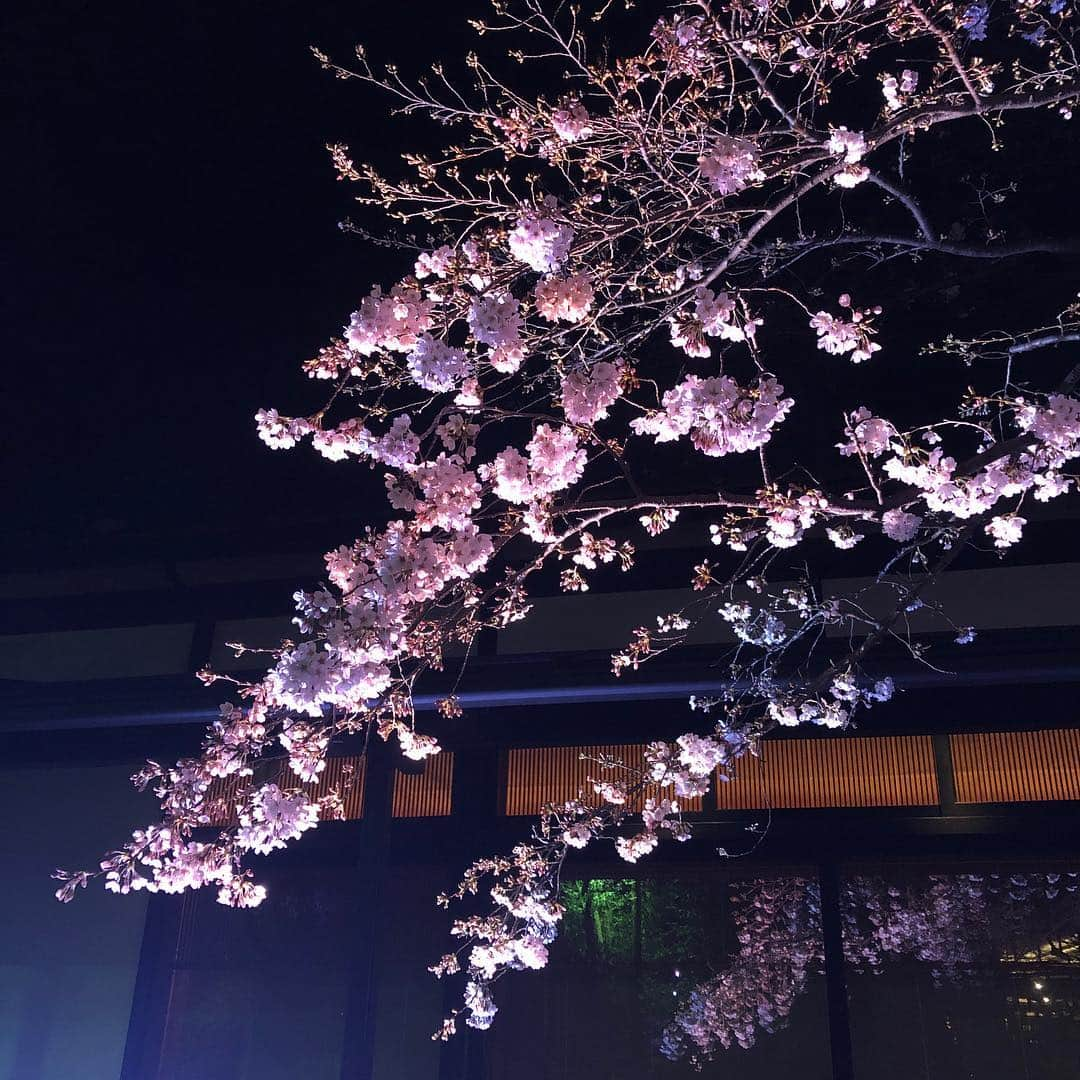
(172, 255)
(175, 256)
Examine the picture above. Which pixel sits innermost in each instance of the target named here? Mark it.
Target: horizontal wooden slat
(547, 774)
(426, 794)
(1016, 766)
(844, 771)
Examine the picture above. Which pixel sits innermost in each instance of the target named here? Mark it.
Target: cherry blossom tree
(654, 250)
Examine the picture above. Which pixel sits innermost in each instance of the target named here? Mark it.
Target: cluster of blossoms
(516, 938)
(393, 322)
(434, 263)
(382, 580)
(896, 89)
(720, 416)
(540, 242)
(754, 626)
(159, 860)
(279, 432)
(588, 394)
(839, 336)
(788, 516)
(397, 447)
(1006, 530)
(900, 526)
(1055, 430)
(867, 434)
(437, 367)
(272, 817)
(688, 766)
(851, 146)
(450, 493)
(684, 44)
(564, 299)
(730, 165)
(554, 461)
(714, 315)
(571, 122)
(234, 740)
(496, 321)
(528, 951)
(975, 19)
(823, 712)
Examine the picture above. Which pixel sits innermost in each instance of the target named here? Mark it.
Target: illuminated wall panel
(845, 771)
(345, 774)
(546, 774)
(427, 794)
(1016, 766)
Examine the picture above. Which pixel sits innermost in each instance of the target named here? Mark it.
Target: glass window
(973, 974)
(655, 977)
(262, 993)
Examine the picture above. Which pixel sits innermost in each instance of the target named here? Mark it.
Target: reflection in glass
(974, 975)
(634, 976)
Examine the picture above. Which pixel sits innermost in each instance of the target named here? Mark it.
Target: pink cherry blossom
(564, 299)
(436, 366)
(571, 122)
(1006, 530)
(540, 242)
(393, 322)
(730, 165)
(720, 416)
(899, 525)
(588, 394)
(273, 817)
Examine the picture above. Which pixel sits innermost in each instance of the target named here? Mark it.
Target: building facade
(900, 901)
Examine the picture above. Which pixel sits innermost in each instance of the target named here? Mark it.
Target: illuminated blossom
(278, 432)
(393, 322)
(587, 394)
(577, 835)
(273, 817)
(850, 144)
(633, 848)
(540, 242)
(867, 434)
(899, 525)
(436, 366)
(720, 416)
(730, 165)
(571, 122)
(495, 320)
(714, 315)
(838, 336)
(434, 263)
(565, 299)
(1006, 530)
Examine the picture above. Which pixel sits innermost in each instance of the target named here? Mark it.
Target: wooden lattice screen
(845, 771)
(344, 774)
(540, 775)
(426, 794)
(1016, 766)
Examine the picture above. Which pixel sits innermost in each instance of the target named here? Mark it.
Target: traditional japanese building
(895, 902)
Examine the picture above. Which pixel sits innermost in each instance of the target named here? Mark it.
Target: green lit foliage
(662, 936)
